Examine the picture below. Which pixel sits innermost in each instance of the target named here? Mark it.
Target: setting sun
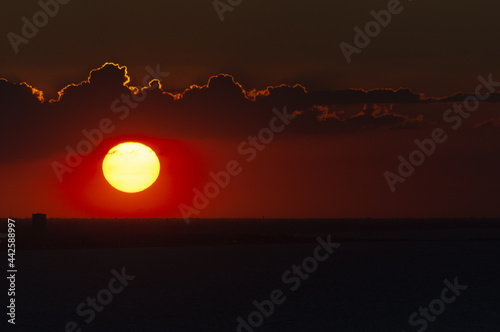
(131, 167)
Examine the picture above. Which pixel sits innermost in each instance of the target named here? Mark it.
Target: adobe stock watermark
(427, 147)
(249, 148)
(449, 294)
(30, 28)
(104, 297)
(292, 278)
(372, 29)
(93, 137)
(222, 6)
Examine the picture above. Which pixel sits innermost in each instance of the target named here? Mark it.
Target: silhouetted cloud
(40, 128)
(491, 123)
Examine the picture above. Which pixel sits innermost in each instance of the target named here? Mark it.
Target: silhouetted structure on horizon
(39, 221)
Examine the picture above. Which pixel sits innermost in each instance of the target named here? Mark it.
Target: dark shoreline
(129, 233)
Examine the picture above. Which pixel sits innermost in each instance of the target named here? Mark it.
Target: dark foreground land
(203, 276)
(119, 233)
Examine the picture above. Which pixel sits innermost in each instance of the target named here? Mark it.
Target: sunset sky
(223, 82)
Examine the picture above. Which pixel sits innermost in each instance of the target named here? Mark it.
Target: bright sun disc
(131, 167)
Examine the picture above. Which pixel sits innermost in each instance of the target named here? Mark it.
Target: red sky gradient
(329, 162)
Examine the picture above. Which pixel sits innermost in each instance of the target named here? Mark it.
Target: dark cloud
(375, 115)
(491, 123)
(460, 97)
(37, 128)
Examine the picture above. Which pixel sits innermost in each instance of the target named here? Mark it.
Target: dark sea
(362, 286)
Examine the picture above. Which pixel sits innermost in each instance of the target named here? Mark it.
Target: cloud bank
(34, 127)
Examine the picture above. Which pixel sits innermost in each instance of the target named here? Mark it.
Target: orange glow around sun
(131, 167)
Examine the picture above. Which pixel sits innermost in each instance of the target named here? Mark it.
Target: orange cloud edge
(249, 94)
